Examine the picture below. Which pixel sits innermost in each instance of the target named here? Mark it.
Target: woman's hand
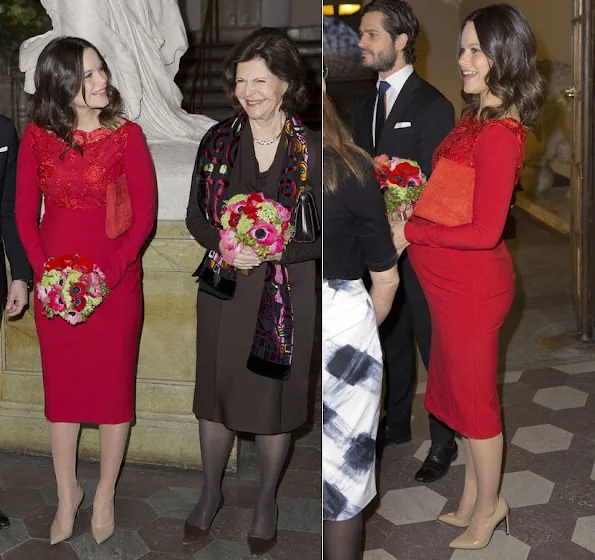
(398, 231)
(275, 257)
(246, 259)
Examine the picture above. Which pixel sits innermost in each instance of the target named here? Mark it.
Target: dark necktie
(380, 110)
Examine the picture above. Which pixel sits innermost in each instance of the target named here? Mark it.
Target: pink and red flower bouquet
(71, 287)
(255, 221)
(402, 182)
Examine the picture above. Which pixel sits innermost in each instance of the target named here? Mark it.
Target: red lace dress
(467, 276)
(88, 370)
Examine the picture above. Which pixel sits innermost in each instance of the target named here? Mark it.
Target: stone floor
(548, 399)
(151, 506)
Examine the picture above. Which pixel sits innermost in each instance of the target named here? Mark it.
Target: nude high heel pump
(101, 534)
(59, 533)
(465, 542)
(452, 519)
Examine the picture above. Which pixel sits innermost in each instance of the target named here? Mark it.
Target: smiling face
(258, 90)
(474, 65)
(379, 51)
(94, 83)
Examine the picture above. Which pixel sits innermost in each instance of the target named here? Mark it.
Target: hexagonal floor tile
(560, 398)
(502, 546)
(13, 535)
(584, 533)
(509, 376)
(542, 439)
(525, 488)
(422, 452)
(123, 544)
(411, 505)
(37, 549)
(378, 554)
(225, 550)
(581, 367)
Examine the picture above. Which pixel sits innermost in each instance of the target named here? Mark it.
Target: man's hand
(18, 298)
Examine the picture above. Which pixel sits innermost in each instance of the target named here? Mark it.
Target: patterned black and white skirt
(351, 389)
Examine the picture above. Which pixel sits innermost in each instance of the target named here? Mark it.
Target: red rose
(82, 264)
(255, 198)
(406, 169)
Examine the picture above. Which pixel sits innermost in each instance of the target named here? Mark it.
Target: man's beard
(382, 61)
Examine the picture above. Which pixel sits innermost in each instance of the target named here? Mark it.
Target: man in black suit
(406, 117)
(17, 296)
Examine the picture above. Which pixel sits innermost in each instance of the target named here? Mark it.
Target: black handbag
(307, 222)
(215, 276)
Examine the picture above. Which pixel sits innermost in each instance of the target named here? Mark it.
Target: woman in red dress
(76, 145)
(465, 270)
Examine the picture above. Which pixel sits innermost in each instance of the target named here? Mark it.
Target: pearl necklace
(268, 142)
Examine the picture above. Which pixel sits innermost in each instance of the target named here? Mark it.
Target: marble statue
(142, 42)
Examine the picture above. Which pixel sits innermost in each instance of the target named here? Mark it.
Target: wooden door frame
(582, 242)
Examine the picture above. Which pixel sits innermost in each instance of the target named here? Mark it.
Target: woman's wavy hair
(507, 40)
(282, 58)
(340, 152)
(59, 76)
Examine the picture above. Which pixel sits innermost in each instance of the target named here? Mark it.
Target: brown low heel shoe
(259, 547)
(196, 535)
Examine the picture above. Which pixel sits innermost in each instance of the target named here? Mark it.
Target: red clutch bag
(118, 208)
(447, 199)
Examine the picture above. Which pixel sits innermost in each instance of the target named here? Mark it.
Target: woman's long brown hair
(339, 149)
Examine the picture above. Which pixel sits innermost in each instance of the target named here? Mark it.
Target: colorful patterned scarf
(272, 346)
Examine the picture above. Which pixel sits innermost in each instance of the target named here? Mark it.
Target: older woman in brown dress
(264, 148)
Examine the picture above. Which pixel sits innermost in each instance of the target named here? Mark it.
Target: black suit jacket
(431, 116)
(19, 266)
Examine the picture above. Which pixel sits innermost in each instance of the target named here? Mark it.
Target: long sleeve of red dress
(496, 156)
(140, 175)
(27, 203)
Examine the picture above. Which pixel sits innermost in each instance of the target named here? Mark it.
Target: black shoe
(387, 435)
(437, 462)
(4, 521)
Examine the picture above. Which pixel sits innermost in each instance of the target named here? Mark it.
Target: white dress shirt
(396, 81)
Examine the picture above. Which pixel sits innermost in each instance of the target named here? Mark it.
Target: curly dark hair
(282, 58)
(398, 18)
(59, 76)
(508, 42)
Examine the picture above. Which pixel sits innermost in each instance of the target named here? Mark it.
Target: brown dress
(226, 391)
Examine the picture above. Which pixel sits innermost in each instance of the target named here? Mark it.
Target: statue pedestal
(174, 163)
(165, 431)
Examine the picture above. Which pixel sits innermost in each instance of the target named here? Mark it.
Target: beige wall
(549, 19)
(437, 46)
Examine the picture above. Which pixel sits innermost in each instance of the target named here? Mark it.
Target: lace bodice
(459, 144)
(75, 181)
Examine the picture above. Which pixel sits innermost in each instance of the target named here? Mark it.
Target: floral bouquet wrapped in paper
(72, 287)
(401, 181)
(255, 221)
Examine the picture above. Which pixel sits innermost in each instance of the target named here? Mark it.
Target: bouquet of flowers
(401, 181)
(72, 287)
(255, 221)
